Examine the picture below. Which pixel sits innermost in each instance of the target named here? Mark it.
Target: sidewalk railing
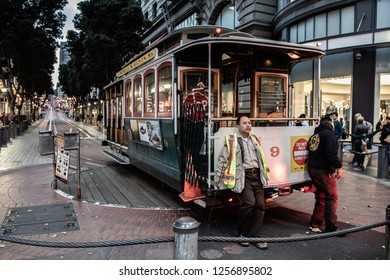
(382, 158)
(186, 238)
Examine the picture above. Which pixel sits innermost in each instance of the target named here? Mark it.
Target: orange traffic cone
(191, 188)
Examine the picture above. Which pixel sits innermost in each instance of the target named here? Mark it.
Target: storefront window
(382, 18)
(320, 26)
(336, 97)
(336, 86)
(334, 23)
(336, 76)
(347, 20)
(383, 83)
(228, 17)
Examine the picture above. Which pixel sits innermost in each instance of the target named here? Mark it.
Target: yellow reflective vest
(229, 173)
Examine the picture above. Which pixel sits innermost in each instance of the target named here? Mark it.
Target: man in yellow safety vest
(242, 168)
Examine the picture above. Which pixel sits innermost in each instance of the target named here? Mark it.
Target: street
(120, 202)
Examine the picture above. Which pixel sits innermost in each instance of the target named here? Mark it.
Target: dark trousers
(359, 158)
(251, 214)
(326, 196)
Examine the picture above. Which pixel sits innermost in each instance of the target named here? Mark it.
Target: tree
(28, 33)
(109, 34)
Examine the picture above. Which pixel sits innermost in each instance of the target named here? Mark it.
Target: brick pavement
(30, 185)
(362, 201)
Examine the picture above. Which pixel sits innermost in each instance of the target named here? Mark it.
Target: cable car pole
(209, 121)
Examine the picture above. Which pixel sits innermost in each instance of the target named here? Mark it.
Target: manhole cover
(39, 219)
(211, 254)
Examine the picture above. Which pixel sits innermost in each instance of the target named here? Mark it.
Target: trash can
(46, 143)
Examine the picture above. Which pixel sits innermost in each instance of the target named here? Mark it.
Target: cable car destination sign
(137, 63)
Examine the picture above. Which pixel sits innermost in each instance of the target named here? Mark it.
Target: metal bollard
(7, 133)
(383, 156)
(387, 233)
(186, 239)
(1, 136)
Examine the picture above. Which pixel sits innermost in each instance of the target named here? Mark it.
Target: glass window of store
(383, 18)
(347, 19)
(334, 23)
(328, 24)
(336, 81)
(336, 75)
(228, 17)
(383, 83)
(309, 29)
(320, 26)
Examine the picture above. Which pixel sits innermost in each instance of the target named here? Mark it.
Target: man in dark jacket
(324, 167)
(338, 128)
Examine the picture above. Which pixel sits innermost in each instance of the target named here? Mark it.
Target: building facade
(355, 73)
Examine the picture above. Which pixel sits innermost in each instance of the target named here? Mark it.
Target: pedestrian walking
(324, 167)
(365, 141)
(338, 128)
(361, 130)
(242, 167)
(358, 131)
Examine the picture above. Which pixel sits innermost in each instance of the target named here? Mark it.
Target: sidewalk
(30, 186)
(362, 202)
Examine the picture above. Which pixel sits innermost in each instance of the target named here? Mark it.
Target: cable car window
(138, 95)
(150, 92)
(228, 99)
(272, 96)
(195, 82)
(165, 89)
(128, 100)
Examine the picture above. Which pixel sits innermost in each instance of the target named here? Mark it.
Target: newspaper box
(70, 141)
(46, 143)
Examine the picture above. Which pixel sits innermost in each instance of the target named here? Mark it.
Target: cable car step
(118, 159)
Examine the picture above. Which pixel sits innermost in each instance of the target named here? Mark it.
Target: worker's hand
(339, 173)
